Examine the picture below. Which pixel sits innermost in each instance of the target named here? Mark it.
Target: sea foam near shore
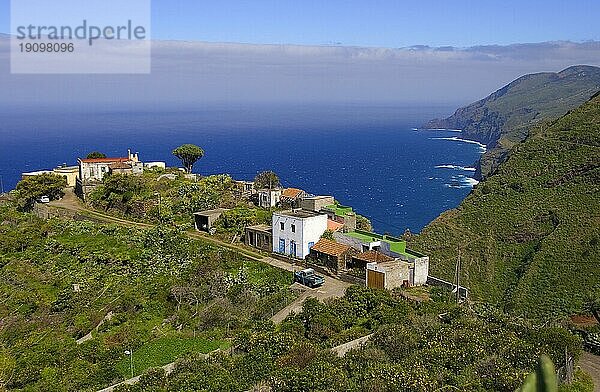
(482, 147)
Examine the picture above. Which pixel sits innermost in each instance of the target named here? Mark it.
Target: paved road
(332, 288)
(590, 364)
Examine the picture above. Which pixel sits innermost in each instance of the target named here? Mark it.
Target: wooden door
(375, 279)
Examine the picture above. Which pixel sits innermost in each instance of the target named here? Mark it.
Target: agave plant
(543, 379)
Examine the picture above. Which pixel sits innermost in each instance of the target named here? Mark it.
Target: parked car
(44, 199)
(308, 278)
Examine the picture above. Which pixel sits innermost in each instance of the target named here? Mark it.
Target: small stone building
(388, 275)
(331, 254)
(260, 237)
(204, 220)
(316, 203)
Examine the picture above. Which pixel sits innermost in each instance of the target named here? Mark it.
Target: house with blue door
(296, 231)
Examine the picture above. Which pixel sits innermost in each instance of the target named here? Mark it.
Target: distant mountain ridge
(529, 235)
(504, 117)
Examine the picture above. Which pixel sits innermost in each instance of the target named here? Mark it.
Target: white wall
(269, 198)
(93, 171)
(421, 271)
(308, 230)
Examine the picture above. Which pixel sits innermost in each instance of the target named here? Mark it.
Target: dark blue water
(368, 157)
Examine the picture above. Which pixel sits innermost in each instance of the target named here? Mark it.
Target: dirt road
(332, 288)
(590, 364)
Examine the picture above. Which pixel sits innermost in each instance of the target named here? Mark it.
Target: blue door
(281, 246)
(293, 248)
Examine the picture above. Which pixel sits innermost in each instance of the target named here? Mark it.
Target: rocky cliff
(505, 117)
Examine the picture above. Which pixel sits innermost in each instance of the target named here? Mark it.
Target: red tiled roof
(104, 160)
(333, 225)
(292, 193)
(329, 247)
(372, 256)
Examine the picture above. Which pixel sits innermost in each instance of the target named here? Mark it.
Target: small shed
(260, 237)
(205, 220)
(332, 254)
(388, 275)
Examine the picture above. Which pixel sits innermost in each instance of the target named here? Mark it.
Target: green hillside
(530, 234)
(503, 118)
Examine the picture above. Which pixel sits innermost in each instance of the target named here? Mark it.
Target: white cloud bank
(190, 73)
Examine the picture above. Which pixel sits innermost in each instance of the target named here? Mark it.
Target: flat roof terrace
(340, 210)
(396, 245)
(300, 214)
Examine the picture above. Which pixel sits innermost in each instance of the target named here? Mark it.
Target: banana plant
(543, 379)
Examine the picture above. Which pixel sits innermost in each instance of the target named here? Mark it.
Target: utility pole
(458, 266)
(159, 202)
(1, 186)
(130, 353)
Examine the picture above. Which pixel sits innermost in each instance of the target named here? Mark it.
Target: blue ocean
(370, 157)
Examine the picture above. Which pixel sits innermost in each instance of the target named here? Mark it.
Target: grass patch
(165, 350)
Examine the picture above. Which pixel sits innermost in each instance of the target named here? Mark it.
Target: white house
(268, 198)
(296, 231)
(94, 169)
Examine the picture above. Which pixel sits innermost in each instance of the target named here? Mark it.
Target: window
(310, 245)
(282, 225)
(293, 228)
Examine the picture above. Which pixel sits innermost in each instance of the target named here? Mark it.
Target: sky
(379, 23)
(399, 52)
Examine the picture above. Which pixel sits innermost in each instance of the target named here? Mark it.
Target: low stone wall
(433, 281)
(352, 279)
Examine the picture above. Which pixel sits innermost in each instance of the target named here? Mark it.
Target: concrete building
(331, 254)
(296, 231)
(260, 237)
(204, 220)
(35, 173)
(268, 198)
(316, 203)
(388, 275)
(364, 241)
(69, 172)
(418, 264)
(155, 165)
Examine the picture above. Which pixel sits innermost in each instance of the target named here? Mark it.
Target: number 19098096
(47, 47)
